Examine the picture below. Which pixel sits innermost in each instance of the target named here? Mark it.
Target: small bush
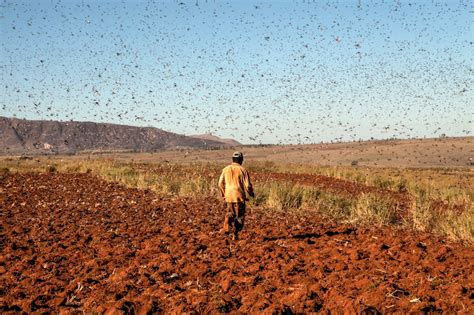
(382, 183)
(311, 197)
(459, 226)
(4, 171)
(360, 178)
(169, 186)
(51, 169)
(261, 197)
(197, 186)
(334, 206)
(372, 210)
(285, 196)
(126, 175)
(402, 186)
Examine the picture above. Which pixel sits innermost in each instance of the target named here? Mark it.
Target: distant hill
(208, 136)
(19, 136)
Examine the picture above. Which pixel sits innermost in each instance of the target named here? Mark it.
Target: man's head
(237, 157)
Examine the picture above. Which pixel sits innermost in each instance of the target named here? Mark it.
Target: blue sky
(256, 71)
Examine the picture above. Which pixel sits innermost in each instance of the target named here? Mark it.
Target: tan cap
(237, 154)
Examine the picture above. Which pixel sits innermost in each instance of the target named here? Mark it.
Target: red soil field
(73, 243)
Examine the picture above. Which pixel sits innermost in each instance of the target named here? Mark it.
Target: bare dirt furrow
(72, 242)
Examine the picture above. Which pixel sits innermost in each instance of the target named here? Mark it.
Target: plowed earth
(73, 243)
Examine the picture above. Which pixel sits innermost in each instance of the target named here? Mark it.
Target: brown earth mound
(73, 243)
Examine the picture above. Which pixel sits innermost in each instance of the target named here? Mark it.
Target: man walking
(234, 185)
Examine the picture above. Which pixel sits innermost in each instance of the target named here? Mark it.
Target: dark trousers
(235, 217)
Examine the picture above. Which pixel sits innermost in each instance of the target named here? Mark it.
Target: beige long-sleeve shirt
(235, 184)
